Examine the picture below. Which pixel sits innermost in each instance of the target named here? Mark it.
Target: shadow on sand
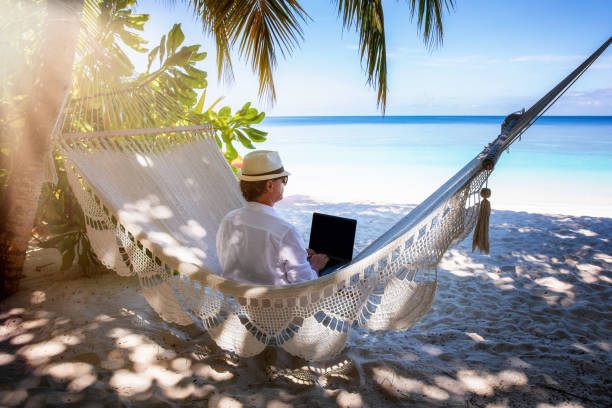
(527, 326)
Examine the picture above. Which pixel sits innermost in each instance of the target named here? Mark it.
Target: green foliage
(64, 223)
(172, 71)
(177, 74)
(258, 28)
(229, 128)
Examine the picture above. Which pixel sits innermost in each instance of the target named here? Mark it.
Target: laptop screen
(333, 236)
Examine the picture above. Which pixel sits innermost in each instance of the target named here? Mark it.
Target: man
(254, 244)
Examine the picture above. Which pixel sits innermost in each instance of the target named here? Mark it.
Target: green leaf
(219, 99)
(226, 135)
(67, 259)
(125, 63)
(180, 58)
(133, 41)
(93, 259)
(195, 72)
(200, 105)
(243, 139)
(137, 21)
(79, 248)
(175, 38)
(192, 49)
(69, 241)
(255, 135)
(198, 56)
(53, 241)
(62, 228)
(85, 265)
(225, 112)
(210, 116)
(257, 119)
(230, 153)
(162, 49)
(190, 81)
(152, 56)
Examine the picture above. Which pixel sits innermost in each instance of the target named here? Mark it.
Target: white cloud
(595, 102)
(476, 61)
(548, 58)
(450, 62)
(602, 63)
(596, 97)
(405, 52)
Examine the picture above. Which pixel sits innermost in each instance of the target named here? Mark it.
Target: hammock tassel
(481, 232)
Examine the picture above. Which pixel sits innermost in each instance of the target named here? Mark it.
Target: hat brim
(244, 177)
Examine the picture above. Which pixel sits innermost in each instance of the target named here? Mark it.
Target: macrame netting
(153, 200)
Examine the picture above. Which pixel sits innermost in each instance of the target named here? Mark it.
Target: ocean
(562, 165)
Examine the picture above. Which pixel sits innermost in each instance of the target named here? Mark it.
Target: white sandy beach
(528, 326)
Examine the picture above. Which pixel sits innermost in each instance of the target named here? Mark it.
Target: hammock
(153, 199)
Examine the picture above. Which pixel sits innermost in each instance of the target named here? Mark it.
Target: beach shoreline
(582, 209)
(527, 326)
(561, 165)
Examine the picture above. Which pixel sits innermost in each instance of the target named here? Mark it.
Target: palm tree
(52, 80)
(260, 28)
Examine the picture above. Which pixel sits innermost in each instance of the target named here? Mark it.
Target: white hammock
(154, 210)
(153, 205)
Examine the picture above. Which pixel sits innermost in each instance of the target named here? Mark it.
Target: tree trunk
(53, 79)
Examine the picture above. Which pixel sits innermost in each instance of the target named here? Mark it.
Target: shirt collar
(255, 206)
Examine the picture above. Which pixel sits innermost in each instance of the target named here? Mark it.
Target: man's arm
(295, 258)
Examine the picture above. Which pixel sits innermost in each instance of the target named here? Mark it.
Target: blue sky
(497, 57)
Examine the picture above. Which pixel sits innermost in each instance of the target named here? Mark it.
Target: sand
(530, 325)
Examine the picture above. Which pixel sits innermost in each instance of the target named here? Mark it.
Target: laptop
(333, 236)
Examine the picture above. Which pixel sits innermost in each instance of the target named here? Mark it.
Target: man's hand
(318, 261)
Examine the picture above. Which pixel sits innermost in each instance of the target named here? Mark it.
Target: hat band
(277, 171)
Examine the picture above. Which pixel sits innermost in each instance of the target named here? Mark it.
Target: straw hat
(262, 165)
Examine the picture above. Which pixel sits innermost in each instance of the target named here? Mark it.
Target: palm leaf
(429, 18)
(368, 19)
(259, 28)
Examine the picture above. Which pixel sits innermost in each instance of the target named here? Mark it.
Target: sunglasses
(283, 179)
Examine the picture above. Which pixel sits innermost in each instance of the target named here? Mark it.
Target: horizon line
(428, 116)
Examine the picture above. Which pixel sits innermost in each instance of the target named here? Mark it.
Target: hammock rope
(153, 199)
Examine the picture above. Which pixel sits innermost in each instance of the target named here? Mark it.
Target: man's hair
(252, 189)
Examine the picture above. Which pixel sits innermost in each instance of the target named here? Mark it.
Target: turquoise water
(561, 165)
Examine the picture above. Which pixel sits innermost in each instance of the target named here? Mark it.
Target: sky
(497, 57)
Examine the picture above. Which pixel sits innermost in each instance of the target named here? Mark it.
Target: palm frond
(259, 28)
(429, 18)
(368, 18)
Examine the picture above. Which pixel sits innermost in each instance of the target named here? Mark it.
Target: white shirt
(255, 245)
